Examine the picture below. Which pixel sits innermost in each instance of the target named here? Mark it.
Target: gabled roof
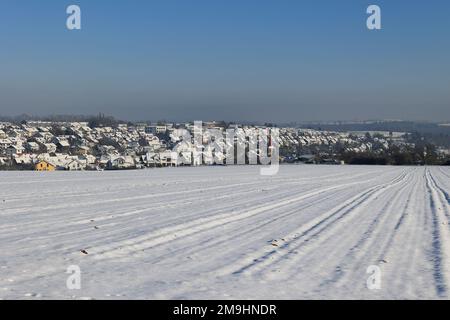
(46, 161)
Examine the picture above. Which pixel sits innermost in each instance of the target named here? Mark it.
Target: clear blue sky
(262, 60)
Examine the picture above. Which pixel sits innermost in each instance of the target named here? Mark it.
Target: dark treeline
(93, 120)
(409, 156)
(411, 149)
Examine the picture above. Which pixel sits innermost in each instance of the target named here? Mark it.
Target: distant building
(156, 129)
(14, 150)
(44, 166)
(32, 146)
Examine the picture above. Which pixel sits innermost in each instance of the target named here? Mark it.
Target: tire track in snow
(118, 200)
(265, 257)
(119, 217)
(441, 236)
(444, 193)
(33, 208)
(51, 272)
(88, 216)
(193, 247)
(346, 245)
(370, 247)
(444, 172)
(186, 229)
(405, 254)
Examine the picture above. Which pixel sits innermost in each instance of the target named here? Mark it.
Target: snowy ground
(226, 232)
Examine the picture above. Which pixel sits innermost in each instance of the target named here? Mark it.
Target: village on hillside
(51, 145)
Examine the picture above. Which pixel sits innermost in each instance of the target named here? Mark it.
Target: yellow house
(44, 166)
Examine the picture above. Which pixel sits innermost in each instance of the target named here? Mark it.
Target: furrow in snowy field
(226, 232)
(185, 229)
(290, 243)
(441, 236)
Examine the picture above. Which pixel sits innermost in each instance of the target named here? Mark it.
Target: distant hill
(433, 132)
(398, 126)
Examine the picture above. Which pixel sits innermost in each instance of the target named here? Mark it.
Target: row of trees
(417, 150)
(418, 155)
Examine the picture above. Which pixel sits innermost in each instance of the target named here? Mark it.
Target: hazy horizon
(253, 61)
(67, 117)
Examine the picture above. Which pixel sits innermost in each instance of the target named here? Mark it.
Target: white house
(121, 162)
(168, 158)
(32, 146)
(75, 165)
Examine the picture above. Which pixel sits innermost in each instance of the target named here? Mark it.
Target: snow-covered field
(226, 232)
